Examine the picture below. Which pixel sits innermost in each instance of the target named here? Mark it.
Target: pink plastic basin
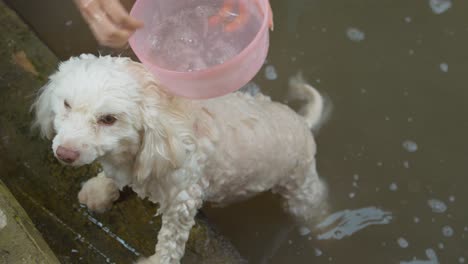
(213, 80)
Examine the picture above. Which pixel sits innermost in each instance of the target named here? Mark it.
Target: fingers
(269, 14)
(119, 15)
(110, 23)
(270, 17)
(107, 33)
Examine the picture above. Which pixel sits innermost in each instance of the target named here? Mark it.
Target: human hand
(110, 23)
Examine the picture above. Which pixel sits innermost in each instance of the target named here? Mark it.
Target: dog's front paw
(99, 193)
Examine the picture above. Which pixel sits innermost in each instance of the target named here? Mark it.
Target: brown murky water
(394, 151)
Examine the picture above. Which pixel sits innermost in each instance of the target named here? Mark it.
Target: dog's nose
(67, 155)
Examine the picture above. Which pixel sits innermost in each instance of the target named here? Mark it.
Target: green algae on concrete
(48, 190)
(20, 242)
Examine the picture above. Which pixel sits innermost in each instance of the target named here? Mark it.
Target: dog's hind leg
(304, 195)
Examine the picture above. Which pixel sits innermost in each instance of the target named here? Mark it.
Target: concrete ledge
(20, 242)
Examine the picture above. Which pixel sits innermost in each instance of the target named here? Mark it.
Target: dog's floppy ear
(44, 115)
(166, 138)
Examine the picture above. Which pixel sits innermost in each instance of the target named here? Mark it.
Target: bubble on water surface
(355, 34)
(444, 67)
(270, 73)
(440, 6)
(410, 146)
(402, 242)
(447, 231)
(437, 206)
(430, 254)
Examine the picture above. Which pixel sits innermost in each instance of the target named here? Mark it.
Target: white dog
(178, 152)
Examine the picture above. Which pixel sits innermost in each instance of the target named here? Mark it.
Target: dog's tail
(316, 109)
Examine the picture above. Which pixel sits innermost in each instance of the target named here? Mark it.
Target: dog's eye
(107, 120)
(66, 104)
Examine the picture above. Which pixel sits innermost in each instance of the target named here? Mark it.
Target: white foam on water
(270, 73)
(410, 146)
(430, 254)
(440, 6)
(437, 206)
(251, 88)
(318, 252)
(304, 231)
(347, 222)
(355, 34)
(447, 231)
(393, 187)
(406, 164)
(443, 67)
(402, 242)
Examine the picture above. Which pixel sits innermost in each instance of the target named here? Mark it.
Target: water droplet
(440, 6)
(270, 73)
(69, 23)
(356, 177)
(406, 164)
(393, 187)
(461, 260)
(444, 67)
(437, 206)
(452, 198)
(351, 195)
(408, 19)
(403, 243)
(410, 146)
(290, 242)
(304, 231)
(440, 246)
(318, 252)
(416, 219)
(447, 231)
(380, 164)
(355, 34)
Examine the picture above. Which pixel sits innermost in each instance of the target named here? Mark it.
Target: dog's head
(97, 106)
